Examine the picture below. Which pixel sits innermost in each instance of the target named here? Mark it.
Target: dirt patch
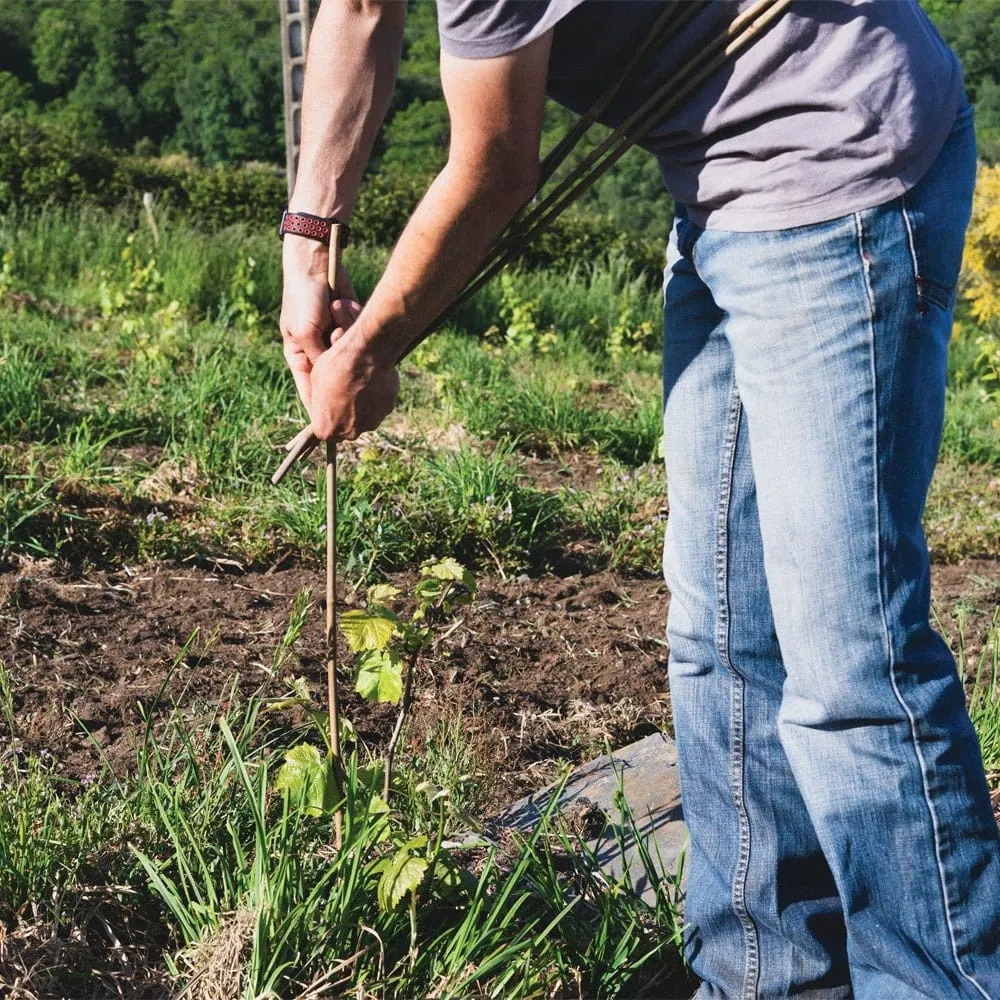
(575, 470)
(541, 670)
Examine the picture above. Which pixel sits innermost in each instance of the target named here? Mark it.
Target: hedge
(42, 164)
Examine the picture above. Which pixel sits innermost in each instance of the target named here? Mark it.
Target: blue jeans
(842, 841)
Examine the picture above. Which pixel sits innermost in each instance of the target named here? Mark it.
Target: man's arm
(354, 51)
(496, 108)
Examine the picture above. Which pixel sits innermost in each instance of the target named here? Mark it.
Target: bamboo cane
(331, 567)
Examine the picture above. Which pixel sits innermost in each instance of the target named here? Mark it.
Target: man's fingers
(303, 337)
(301, 368)
(344, 407)
(344, 312)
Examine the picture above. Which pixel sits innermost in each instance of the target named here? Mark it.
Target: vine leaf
(307, 775)
(450, 569)
(403, 873)
(382, 593)
(380, 676)
(365, 631)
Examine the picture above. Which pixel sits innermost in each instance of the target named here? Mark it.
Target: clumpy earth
(539, 671)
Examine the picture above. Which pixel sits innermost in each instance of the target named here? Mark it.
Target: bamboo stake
(331, 567)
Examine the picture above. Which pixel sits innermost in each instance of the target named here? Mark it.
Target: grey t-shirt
(841, 105)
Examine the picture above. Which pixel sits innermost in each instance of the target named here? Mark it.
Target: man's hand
(352, 391)
(311, 317)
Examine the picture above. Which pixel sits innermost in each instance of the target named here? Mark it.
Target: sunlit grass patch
(984, 701)
(962, 518)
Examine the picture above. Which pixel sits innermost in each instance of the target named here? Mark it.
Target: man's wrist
(380, 348)
(320, 199)
(305, 256)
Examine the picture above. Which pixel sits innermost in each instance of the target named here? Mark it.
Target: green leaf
(446, 569)
(377, 806)
(365, 631)
(380, 677)
(403, 875)
(300, 761)
(382, 593)
(415, 638)
(348, 734)
(451, 882)
(298, 695)
(306, 775)
(428, 591)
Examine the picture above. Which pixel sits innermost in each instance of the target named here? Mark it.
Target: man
(842, 842)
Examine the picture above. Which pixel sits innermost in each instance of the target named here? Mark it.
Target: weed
(984, 700)
(7, 699)
(263, 907)
(301, 607)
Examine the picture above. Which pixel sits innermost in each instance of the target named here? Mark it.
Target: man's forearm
(444, 242)
(353, 57)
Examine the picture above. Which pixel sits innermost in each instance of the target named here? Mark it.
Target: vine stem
(404, 710)
(404, 707)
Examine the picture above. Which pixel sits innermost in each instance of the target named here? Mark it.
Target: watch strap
(314, 227)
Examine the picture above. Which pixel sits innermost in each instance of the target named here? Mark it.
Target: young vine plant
(386, 647)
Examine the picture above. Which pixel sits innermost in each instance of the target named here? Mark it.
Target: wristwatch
(315, 227)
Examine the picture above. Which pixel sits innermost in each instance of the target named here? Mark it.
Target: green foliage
(402, 873)
(227, 85)
(15, 96)
(630, 194)
(45, 164)
(305, 776)
(365, 630)
(250, 876)
(416, 139)
(189, 76)
(972, 28)
(380, 676)
(630, 335)
(984, 699)
(520, 316)
(382, 639)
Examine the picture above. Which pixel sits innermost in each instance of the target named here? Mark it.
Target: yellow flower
(981, 268)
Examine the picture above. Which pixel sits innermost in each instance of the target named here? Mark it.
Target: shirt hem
(828, 207)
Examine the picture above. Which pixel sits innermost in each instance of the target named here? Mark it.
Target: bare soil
(540, 670)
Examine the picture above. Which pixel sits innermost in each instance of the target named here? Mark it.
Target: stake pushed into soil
(331, 564)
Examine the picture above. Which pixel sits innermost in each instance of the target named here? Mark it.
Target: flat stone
(646, 771)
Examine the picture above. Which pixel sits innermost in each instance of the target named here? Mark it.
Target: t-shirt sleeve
(484, 29)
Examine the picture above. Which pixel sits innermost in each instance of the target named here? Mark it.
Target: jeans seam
(883, 601)
(737, 697)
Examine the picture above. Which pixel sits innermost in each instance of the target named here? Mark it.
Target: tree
(15, 96)
(972, 29)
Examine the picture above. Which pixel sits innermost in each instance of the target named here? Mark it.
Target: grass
(143, 403)
(197, 871)
(147, 391)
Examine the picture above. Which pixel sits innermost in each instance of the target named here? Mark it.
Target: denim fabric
(842, 840)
